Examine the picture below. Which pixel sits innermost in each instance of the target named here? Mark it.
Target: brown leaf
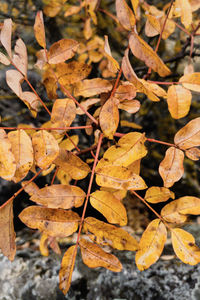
(7, 233)
(157, 194)
(72, 164)
(59, 196)
(63, 112)
(191, 81)
(45, 147)
(193, 153)
(109, 118)
(67, 267)
(110, 235)
(125, 15)
(144, 52)
(125, 91)
(7, 159)
(107, 204)
(131, 106)
(20, 57)
(113, 65)
(62, 50)
(39, 29)
(23, 152)
(188, 136)
(93, 256)
(171, 167)
(92, 87)
(179, 101)
(54, 222)
(184, 246)
(151, 245)
(87, 104)
(6, 33)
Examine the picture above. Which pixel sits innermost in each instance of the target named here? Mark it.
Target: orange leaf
(144, 52)
(92, 87)
(113, 65)
(59, 196)
(193, 153)
(63, 112)
(93, 256)
(131, 106)
(31, 188)
(184, 246)
(54, 222)
(191, 81)
(110, 235)
(189, 135)
(87, 104)
(109, 118)
(157, 194)
(125, 15)
(107, 204)
(171, 213)
(125, 91)
(45, 147)
(7, 233)
(7, 159)
(179, 101)
(39, 29)
(44, 240)
(151, 245)
(67, 267)
(62, 50)
(171, 167)
(6, 33)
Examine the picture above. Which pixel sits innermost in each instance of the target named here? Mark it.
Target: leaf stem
(51, 128)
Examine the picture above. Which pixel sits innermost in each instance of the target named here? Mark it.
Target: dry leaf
(131, 106)
(191, 81)
(171, 213)
(7, 233)
(86, 105)
(32, 102)
(93, 256)
(185, 9)
(44, 240)
(187, 205)
(193, 153)
(4, 60)
(31, 188)
(107, 204)
(54, 222)
(39, 29)
(188, 136)
(125, 91)
(151, 245)
(62, 50)
(63, 113)
(14, 79)
(20, 57)
(68, 144)
(59, 196)
(7, 159)
(92, 87)
(179, 101)
(152, 26)
(184, 246)
(125, 15)
(113, 65)
(171, 167)
(157, 194)
(87, 30)
(6, 33)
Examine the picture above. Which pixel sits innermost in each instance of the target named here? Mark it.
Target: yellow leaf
(93, 256)
(131, 106)
(67, 143)
(113, 65)
(133, 125)
(186, 12)
(152, 26)
(92, 87)
(45, 147)
(179, 101)
(188, 205)
(7, 159)
(23, 153)
(72, 164)
(63, 113)
(157, 194)
(154, 89)
(171, 167)
(151, 245)
(191, 81)
(7, 233)
(59, 196)
(31, 101)
(54, 222)
(110, 235)
(63, 177)
(109, 118)
(171, 213)
(184, 246)
(31, 188)
(125, 15)
(107, 204)
(87, 30)
(39, 29)
(188, 136)
(67, 267)
(62, 50)
(44, 244)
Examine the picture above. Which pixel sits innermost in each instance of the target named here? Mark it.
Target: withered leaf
(93, 256)
(113, 65)
(125, 91)
(7, 159)
(107, 204)
(45, 147)
(31, 101)
(171, 167)
(110, 235)
(144, 52)
(131, 106)
(54, 222)
(31, 188)
(125, 15)
(20, 56)
(191, 81)
(184, 246)
(6, 33)
(188, 136)
(62, 50)
(63, 112)
(23, 153)
(68, 144)
(185, 9)
(151, 244)
(171, 213)
(4, 60)
(7, 233)
(44, 240)
(179, 101)
(157, 194)
(59, 196)
(86, 105)
(193, 153)
(186, 205)
(92, 87)
(14, 79)
(109, 118)
(72, 165)
(67, 267)
(39, 29)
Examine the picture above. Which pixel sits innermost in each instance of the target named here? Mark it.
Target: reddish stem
(116, 83)
(54, 175)
(164, 82)
(42, 128)
(160, 142)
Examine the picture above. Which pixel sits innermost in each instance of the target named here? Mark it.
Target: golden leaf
(125, 15)
(113, 65)
(191, 81)
(92, 87)
(157, 194)
(39, 29)
(63, 113)
(193, 153)
(171, 213)
(31, 188)
(62, 50)
(7, 159)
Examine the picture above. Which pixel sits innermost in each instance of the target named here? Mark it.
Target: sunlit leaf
(31, 188)
(62, 50)
(171, 213)
(68, 144)
(7, 159)
(191, 81)
(131, 106)
(86, 105)
(193, 153)
(125, 15)
(63, 112)
(39, 29)
(113, 65)
(157, 194)
(92, 87)
(151, 245)
(185, 11)
(6, 33)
